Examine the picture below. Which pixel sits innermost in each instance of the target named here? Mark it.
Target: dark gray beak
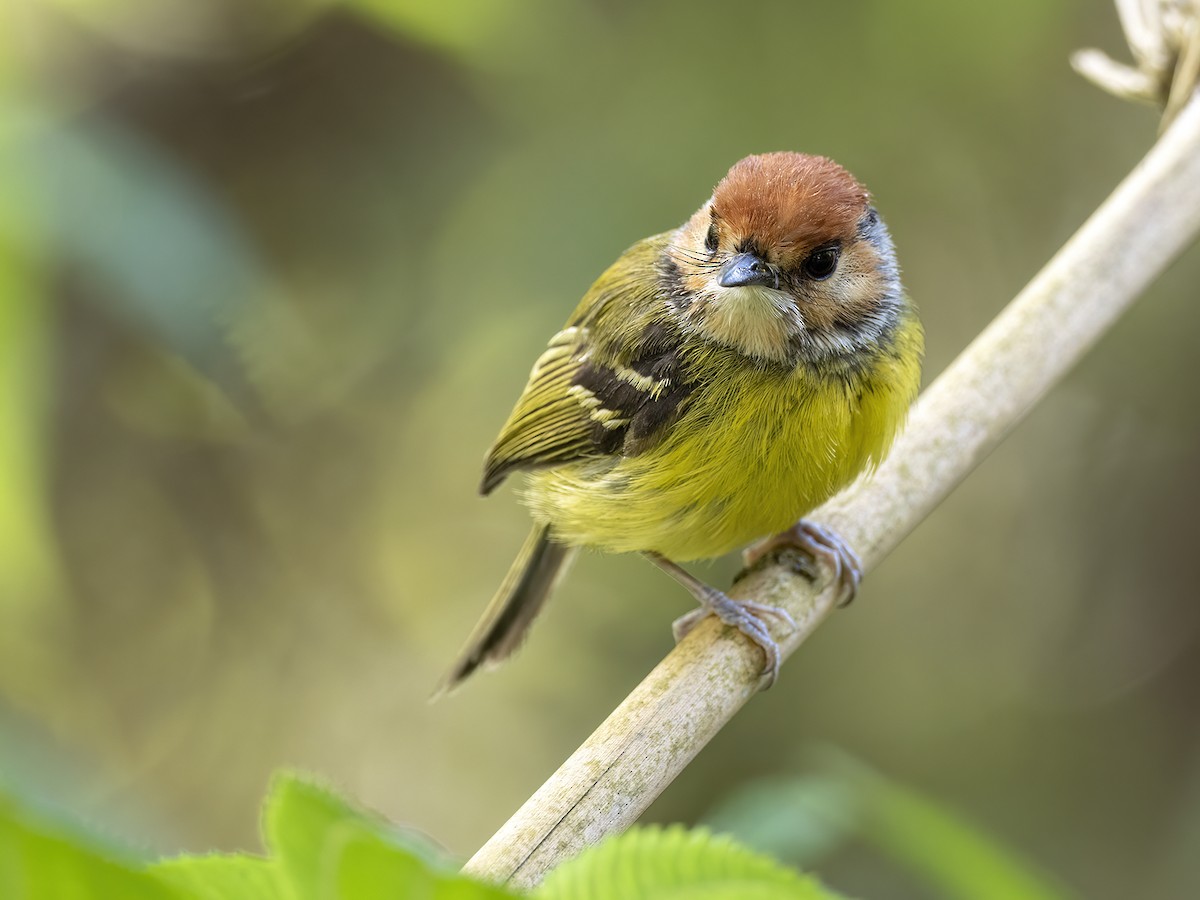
(747, 269)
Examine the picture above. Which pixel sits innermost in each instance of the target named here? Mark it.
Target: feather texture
(713, 386)
(608, 383)
(518, 600)
(742, 447)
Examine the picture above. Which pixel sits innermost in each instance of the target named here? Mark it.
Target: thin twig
(690, 695)
(1164, 40)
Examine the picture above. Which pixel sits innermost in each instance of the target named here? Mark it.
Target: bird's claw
(822, 544)
(747, 617)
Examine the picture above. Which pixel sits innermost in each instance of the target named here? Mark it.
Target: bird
(714, 385)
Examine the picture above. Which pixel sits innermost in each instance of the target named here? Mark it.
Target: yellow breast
(754, 452)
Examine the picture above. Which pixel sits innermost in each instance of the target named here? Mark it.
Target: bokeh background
(272, 274)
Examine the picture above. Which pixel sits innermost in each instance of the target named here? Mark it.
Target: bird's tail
(519, 599)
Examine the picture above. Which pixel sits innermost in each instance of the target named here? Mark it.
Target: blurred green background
(272, 273)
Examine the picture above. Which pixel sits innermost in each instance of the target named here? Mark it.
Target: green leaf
(328, 849)
(661, 863)
(44, 859)
(804, 818)
(220, 877)
(324, 848)
(799, 819)
(950, 853)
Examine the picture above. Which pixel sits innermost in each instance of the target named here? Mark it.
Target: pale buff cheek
(858, 284)
(856, 290)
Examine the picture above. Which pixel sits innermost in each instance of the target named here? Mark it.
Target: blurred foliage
(804, 818)
(272, 273)
(320, 846)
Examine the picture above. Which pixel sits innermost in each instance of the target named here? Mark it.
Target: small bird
(715, 384)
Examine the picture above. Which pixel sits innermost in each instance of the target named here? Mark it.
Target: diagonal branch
(644, 744)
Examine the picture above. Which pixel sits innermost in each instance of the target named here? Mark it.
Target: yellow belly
(748, 458)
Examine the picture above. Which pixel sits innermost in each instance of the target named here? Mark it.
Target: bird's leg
(821, 544)
(744, 615)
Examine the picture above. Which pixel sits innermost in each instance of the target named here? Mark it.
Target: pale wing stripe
(651, 386)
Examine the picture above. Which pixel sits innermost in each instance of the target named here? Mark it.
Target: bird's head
(786, 262)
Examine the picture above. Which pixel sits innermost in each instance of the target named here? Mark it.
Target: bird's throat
(757, 321)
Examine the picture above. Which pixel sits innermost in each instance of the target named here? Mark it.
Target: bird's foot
(747, 616)
(821, 544)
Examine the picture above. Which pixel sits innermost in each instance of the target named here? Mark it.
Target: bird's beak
(747, 269)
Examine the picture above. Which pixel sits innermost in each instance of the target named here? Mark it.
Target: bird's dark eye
(710, 240)
(821, 263)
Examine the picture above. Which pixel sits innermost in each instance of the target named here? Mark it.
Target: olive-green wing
(549, 424)
(611, 382)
